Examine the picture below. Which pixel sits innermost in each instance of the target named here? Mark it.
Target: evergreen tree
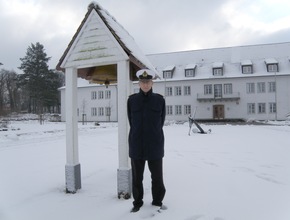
(51, 95)
(38, 81)
(35, 68)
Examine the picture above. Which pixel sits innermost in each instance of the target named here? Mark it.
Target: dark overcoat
(146, 114)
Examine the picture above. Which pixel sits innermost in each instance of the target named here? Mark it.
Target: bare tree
(9, 92)
(2, 92)
(12, 90)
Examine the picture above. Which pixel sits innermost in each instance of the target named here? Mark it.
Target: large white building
(245, 82)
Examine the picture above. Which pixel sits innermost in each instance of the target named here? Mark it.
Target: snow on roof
(246, 62)
(125, 40)
(230, 57)
(270, 61)
(190, 66)
(169, 68)
(217, 65)
(125, 37)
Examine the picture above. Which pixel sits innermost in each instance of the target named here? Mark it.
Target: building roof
(217, 65)
(169, 68)
(82, 52)
(229, 58)
(190, 66)
(271, 61)
(246, 63)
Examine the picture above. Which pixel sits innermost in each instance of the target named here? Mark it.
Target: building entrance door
(218, 112)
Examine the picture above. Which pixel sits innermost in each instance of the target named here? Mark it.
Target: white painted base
(124, 183)
(73, 178)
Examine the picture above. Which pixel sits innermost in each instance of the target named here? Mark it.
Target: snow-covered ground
(238, 172)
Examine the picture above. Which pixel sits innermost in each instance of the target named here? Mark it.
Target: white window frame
(273, 67)
(94, 111)
(108, 94)
(168, 91)
(272, 107)
(108, 111)
(247, 69)
(167, 74)
(217, 71)
(101, 111)
(228, 88)
(177, 91)
(178, 110)
(187, 109)
(218, 90)
(187, 90)
(250, 88)
(100, 94)
(189, 72)
(261, 108)
(208, 89)
(261, 87)
(272, 86)
(251, 108)
(169, 110)
(93, 95)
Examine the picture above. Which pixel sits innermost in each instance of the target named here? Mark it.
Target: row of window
(219, 70)
(177, 91)
(178, 109)
(218, 89)
(101, 94)
(261, 108)
(272, 67)
(261, 87)
(101, 111)
(208, 89)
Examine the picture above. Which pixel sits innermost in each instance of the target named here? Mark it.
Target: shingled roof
(126, 42)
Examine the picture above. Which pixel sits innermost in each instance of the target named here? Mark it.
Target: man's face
(145, 85)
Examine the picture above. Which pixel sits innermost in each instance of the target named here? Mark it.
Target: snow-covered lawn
(238, 172)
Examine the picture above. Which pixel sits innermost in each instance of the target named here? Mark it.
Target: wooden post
(124, 175)
(72, 167)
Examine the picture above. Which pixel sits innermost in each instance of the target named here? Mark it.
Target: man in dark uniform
(146, 114)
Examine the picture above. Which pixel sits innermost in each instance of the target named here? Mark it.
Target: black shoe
(161, 206)
(157, 204)
(135, 209)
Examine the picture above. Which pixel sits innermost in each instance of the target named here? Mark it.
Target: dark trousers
(158, 189)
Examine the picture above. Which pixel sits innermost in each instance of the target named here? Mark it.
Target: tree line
(35, 90)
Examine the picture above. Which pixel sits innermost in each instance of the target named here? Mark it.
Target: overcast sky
(157, 26)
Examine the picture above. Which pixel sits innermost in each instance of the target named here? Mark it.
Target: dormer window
(189, 73)
(190, 70)
(272, 65)
(168, 72)
(217, 69)
(247, 67)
